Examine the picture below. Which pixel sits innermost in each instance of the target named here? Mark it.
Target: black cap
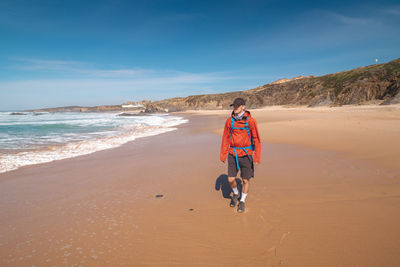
(238, 102)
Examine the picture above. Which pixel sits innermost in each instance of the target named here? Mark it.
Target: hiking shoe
(234, 200)
(241, 206)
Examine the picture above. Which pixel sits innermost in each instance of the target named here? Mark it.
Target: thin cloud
(83, 77)
(393, 10)
(166, 83)
(82, 70)
(74, 67)
(40, 64)
(348, 20)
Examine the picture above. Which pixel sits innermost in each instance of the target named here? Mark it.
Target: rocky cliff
(379, 83)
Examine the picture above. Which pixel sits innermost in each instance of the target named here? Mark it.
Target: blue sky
(59, 53)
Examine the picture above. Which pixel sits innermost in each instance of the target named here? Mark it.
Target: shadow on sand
(222, 184)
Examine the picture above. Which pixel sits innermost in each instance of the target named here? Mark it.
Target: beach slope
(316, 199)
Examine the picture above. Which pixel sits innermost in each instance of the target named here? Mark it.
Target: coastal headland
(374, 84)
(326, 193)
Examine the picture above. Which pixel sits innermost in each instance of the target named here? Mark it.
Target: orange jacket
(240, 138)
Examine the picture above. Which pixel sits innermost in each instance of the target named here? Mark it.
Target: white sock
(235, 191)
(243, 198)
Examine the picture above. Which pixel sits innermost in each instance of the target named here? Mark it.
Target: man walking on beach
(239, 141)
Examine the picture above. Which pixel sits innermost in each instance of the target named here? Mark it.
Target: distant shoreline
(270, 107)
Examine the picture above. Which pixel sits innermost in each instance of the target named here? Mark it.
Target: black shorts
(245, 164)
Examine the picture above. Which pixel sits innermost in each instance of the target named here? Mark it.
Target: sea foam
(29, 144)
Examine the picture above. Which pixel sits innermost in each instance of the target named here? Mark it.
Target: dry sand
(327, 193)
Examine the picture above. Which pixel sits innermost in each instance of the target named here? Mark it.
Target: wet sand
(312, 203)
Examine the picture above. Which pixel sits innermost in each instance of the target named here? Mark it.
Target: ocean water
(36, 138)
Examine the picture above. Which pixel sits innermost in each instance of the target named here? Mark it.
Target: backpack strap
(247, 128)
(232, 126)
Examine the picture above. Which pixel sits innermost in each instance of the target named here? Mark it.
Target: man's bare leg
(245, 190)
(235, 197)
(245, 186)
(232, 182)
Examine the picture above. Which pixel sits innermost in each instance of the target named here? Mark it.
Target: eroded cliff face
(372, 84)
(378, 83)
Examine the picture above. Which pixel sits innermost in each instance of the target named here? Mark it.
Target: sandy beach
(326, 193)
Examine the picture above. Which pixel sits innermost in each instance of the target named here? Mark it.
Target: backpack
(247, 128)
